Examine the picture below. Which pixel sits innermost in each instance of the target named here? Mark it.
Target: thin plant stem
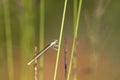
(74, 14)
(41, 37)
(60, 39)
(8, 33)
(74, 26)
(27, 36)
(65, 58)
(36, 66)
(74, 40)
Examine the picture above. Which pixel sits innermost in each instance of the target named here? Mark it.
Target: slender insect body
(54, 44)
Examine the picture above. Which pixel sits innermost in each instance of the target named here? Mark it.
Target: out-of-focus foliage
(98, 33)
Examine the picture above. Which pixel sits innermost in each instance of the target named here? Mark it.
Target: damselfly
(52, 44)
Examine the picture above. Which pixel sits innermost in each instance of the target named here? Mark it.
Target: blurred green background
(97, 52)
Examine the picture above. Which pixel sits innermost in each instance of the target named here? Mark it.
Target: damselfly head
(54, 42)
(55, 46)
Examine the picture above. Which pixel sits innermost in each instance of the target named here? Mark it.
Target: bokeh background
(97, 55)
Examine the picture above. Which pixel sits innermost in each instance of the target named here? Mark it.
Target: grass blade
(60, 39)
(27, 37)
(74, 14)
(36, 66)
(74, 40)
(8, 40)
(74, 26)
(41, 37)
(65, 58)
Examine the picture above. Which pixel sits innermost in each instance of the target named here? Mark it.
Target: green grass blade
(74, 26)
(8, 40)
(60, 39)
(74, 14)
(41, 37)
(27, 38)
(74, 40)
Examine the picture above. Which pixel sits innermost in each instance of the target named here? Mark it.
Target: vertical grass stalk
(74, 40)
(41, 37)
(27, 37)
(65, 58)
(74, 26)
(8, 33)
(60, 39)
(74, 14)
(36, 66)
